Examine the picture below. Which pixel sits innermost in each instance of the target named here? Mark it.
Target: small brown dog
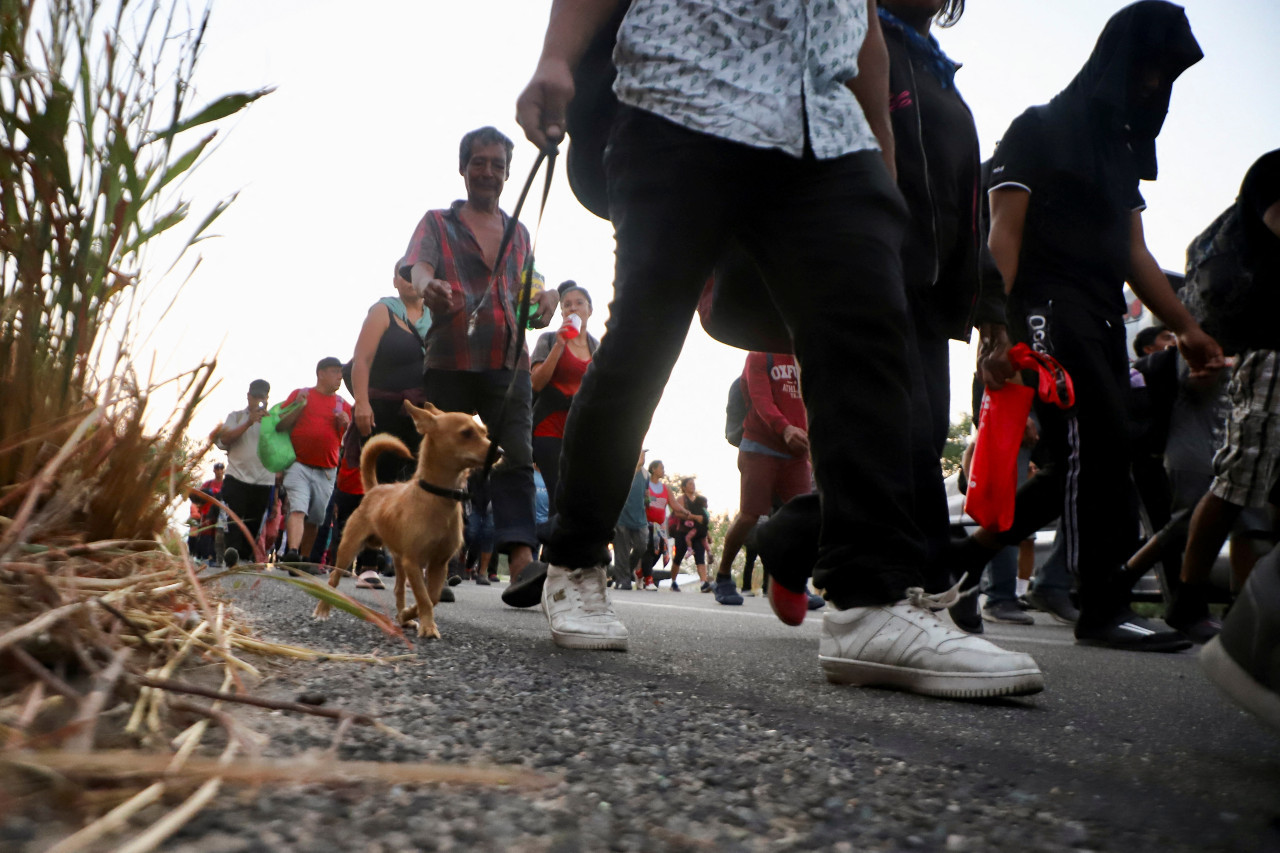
(420, 522)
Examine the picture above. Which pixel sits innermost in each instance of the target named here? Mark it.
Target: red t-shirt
(317, 436)
(349, 479)
(775, 401)
(567, 378)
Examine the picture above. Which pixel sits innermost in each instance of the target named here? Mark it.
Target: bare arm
(226, 436)
(376, 323)
(540, 109)
(543, 370)
(1152, 287)
(437, 295)
(871, 87)
(287, 422)
(1008, 218)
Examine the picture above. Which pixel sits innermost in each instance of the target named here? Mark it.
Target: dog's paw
(321, 613)
(408, 616)
(428, 631)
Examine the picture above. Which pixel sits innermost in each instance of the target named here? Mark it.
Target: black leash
(526, 292)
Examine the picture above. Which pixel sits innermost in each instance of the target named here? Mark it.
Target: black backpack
(735, 411)
(1219, 290)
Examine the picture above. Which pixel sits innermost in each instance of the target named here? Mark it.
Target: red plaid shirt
(444, 241)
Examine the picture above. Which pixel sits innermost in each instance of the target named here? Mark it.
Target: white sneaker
(905, 646)
(578, 608)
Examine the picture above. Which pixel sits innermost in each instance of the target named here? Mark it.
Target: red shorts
(766, 478)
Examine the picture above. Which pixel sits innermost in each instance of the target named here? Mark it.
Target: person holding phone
(246, 488)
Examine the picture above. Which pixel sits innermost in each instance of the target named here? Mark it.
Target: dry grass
(103, 618)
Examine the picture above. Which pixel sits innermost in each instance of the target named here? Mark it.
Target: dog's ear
(423, 418)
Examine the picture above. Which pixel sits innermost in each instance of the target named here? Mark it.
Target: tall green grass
(97, 127)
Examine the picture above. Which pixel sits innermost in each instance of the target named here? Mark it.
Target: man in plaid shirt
(472, 345)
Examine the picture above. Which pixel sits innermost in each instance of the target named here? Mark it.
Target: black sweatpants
(825, 234)
(1085, 478)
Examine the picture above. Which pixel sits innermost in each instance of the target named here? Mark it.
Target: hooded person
(1066, 234)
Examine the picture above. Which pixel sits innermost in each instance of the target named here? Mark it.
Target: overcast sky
(360, 138)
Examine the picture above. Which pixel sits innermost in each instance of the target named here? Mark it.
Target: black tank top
(397, 364)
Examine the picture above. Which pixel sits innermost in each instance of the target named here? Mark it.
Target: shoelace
(591, 592)
(940, 600)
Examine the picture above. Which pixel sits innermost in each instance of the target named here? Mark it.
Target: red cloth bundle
(1002, 421)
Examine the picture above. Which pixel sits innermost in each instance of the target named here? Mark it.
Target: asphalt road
(717, 731)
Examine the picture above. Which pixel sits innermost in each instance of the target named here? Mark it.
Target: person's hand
(1202, 352)
(302, 398)
(796, 439)
(540, 109)
(341, 420)
(256, 414)
(544, 308)
(364, 418)
(437, 296)
(993, 355)
(1031, 434)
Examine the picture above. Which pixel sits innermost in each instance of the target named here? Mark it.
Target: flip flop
(369, 580)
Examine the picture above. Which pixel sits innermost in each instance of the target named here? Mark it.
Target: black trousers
(1085, 478)
(930, 420)
(546, 452)
(511, 483)
(825, 234)
(389, 416)
(250, 503)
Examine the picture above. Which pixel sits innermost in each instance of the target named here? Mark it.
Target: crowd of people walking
(847, 168)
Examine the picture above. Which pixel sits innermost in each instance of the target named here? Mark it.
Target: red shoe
(790, 607)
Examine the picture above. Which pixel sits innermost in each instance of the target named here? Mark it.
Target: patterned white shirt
(749, 71)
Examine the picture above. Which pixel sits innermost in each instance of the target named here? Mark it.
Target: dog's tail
(375, 447)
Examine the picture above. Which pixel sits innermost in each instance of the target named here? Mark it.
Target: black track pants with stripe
(1084, 477)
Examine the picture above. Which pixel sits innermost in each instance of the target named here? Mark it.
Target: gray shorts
(309, 490)
(1245, 467)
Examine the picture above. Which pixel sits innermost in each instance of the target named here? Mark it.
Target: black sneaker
(706, 587)
(787, 542)
(231, 557)
(446, 595)
(1129, 631)
(1055, 602)
(482, 579)
(1188, 612)
(966, 615)
(526, 590)
(1244, 660)
(1008, 612)
(291, 556)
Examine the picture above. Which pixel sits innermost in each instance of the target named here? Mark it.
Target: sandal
(369, 580)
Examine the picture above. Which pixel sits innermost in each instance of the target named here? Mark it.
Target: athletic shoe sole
(790, 607)
(588, 642)
(1243, 689)
(990, 617)
(527, 591)
(945, 685)
(1153, 643)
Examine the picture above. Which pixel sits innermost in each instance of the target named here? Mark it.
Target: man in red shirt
(206, 515)
(316, 429)
(773, 457)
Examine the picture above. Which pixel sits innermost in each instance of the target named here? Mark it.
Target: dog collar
(456, 494)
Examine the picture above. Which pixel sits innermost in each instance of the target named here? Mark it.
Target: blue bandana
(397, 307)
(924, 48)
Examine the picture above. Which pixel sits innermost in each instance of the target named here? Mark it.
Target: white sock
(1021, 586)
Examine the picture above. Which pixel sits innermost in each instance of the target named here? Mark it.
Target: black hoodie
(952, 283)
(1082, 154)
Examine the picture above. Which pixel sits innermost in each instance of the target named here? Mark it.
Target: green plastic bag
(275, 449)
